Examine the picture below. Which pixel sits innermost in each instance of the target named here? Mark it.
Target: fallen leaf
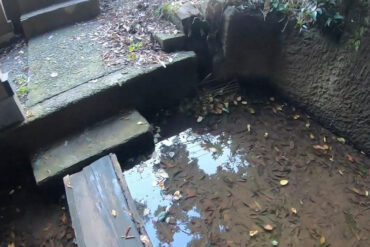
(145, 240)
(29, 114)
(177, 195)
(64, 219)
(284, 182)
(268, 227)
(113, 213)
(146, 212)
(323, 147)
(350, 158)
(322, 240)
(68, 182)
(253, 233)
(190, 193)
(341, 140)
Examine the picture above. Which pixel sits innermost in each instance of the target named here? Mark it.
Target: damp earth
(266, 177)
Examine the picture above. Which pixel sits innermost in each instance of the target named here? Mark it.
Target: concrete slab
(11, 112)
(58, 15)
(62, 60)
(5, 89)
(147, 89)
(121, 134)
(171, 42)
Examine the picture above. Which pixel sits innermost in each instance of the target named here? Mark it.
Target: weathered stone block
(6, 27)
(58, 15)
(171, 42)
(5, 89)
(125, 134)
(10, 112)
(184, 16)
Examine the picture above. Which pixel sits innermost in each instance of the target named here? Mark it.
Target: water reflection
(147, 183)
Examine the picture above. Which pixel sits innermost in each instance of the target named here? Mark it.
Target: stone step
(146, 89)
(58, 15)
(116, 217)
(171, 42)
(27, 6)
(125, 134)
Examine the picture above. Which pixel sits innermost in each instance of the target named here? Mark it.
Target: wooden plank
(92, 194)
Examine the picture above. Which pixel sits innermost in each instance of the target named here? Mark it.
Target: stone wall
(330, 80)
(326, 76)
(6, 27)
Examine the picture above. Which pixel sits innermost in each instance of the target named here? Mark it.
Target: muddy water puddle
(262, 179)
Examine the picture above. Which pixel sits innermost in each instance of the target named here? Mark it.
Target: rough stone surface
(27, 6)
(171, 42)
(330, 81)
(58, 15)
(5, 90)
(183, 17)
(6, 27)
(10, 112)
(50, 74)
(249, 45)
(146, 89)
(121, 134)
(327, 78)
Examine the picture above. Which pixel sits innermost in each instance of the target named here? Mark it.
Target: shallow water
(220, 184)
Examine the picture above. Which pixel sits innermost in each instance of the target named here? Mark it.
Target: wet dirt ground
(220, 182)
(31, 217)
(263, 175)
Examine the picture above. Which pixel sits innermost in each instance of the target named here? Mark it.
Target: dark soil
(31, 217)
(230, 182)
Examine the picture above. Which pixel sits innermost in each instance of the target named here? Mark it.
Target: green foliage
(135, 46)
(132, 57)
(23, 91)
(20, 79)
(166, 9)
(307, 13)
(355, 41)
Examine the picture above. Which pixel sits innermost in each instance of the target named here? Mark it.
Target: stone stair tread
(101, 183)
(121, 134)
(58, 15)
(51, 8)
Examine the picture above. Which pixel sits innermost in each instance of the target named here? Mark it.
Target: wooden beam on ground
(101, 213)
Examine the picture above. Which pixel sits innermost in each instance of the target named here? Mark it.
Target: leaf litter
(262, 204)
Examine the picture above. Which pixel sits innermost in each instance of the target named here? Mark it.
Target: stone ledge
(120, 134)
(144, 89)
